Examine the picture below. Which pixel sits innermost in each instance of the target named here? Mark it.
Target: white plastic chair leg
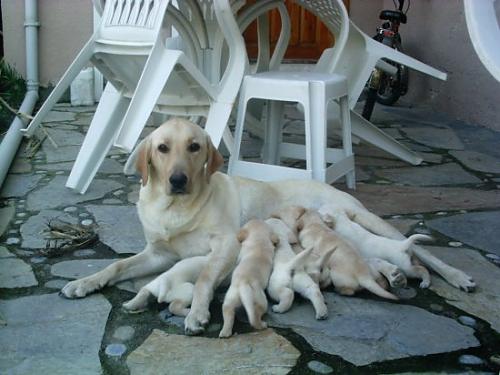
(99, 138)
(238, 132)
(345, 120)
(401, 58)
(273, 132)
(158, 69)
(316, 114)
(216, 125)
(74, 69)
(369, 133)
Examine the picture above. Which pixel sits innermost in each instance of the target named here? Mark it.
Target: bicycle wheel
(392, 88)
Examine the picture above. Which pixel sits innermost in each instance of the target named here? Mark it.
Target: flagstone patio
(454, 196)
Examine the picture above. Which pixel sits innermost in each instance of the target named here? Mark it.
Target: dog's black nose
(178, 181)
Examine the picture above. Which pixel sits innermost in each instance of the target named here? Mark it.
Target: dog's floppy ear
(300, 211)
(242, 235)
(214, 158)
(299, 225)
(143, 160)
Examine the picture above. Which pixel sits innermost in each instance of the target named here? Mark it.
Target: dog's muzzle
(178, 182)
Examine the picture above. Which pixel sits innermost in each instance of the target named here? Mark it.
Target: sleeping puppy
(289, 276)
(345, 268)
(250, 276)
(371, 245)
(174, 286)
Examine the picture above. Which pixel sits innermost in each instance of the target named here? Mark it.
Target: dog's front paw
(80, 288)
(461, 281)
(195, 321)
(322, 312)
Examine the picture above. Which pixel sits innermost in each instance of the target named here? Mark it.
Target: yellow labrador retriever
(184, 200)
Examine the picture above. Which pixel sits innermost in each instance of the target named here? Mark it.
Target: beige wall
(65, 26)
(436, 34)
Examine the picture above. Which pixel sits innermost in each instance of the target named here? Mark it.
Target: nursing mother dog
(184, 201)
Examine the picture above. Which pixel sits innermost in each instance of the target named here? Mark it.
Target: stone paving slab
(263, 352)
(4, 253)
(364, 331)
(108, 166)
(485, 301)
(392, 199)
(6, 215)
(19, 185)
(46, 334)
(56, 194)
(60, 154)
(20, 165)
(15, 273)
(32, 231)
(119, 227)
(477, 161)
(478, 229)
(443, 138)
(63, 137)
(444, 174)
(56, 116)
(76, 269)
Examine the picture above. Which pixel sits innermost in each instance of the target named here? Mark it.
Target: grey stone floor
(454, 195)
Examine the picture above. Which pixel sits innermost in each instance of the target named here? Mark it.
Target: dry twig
(63, 237)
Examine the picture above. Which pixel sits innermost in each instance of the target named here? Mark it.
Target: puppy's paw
(424, 284)
(223, 334)
(322, 313)
(397, 279)
(461, 281)
(80, 288)
(278, 309)
(195, 321)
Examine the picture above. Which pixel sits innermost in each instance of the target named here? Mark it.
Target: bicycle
(385, 88)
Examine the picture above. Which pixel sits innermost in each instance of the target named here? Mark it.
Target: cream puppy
(174, 286)
(345, 268)
(371, 245)
(289, 276)
(251, 276)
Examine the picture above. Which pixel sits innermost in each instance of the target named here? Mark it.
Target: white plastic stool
(314, 91)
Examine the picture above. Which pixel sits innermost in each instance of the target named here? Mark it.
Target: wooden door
(309, 36)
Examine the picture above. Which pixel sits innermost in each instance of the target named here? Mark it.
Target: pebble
(467, 321)
(59, 172)
(87, 222)
(495, 358)
(22, 214)
(319, 367)
(114, 176)
(436, 307)
(493, 257)
(70, 209)
(468, 359)
(13, 231)
(12, 241)
(22, 200)
(118, 192)
(124, 333)
(405, 293)
(396, 217)
(455, 243)
(37, 260)
(115, 350)
(382, 182)
(84, 253)
(441, 213)
(84, 214)
(40, 172)
(422, 231)
(18, 222)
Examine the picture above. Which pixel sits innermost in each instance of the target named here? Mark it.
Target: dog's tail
(250, 298)
(298, 260)
(371, 285)
(414, 238)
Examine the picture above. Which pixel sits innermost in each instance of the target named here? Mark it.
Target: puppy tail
(299, 260)
(247, 300)
(414, 238)
(371, 285)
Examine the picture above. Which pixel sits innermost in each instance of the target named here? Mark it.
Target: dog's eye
(163, 148)
(193, 147)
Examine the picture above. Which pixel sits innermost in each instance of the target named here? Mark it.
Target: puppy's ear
(299, 225)
(214, 159)
(143, 160)
(242, 235)
(275, 239)
(299, 211)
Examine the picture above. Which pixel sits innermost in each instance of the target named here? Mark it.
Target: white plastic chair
(356, 60)
(484, 32)
(171, 83)
(314, 91)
